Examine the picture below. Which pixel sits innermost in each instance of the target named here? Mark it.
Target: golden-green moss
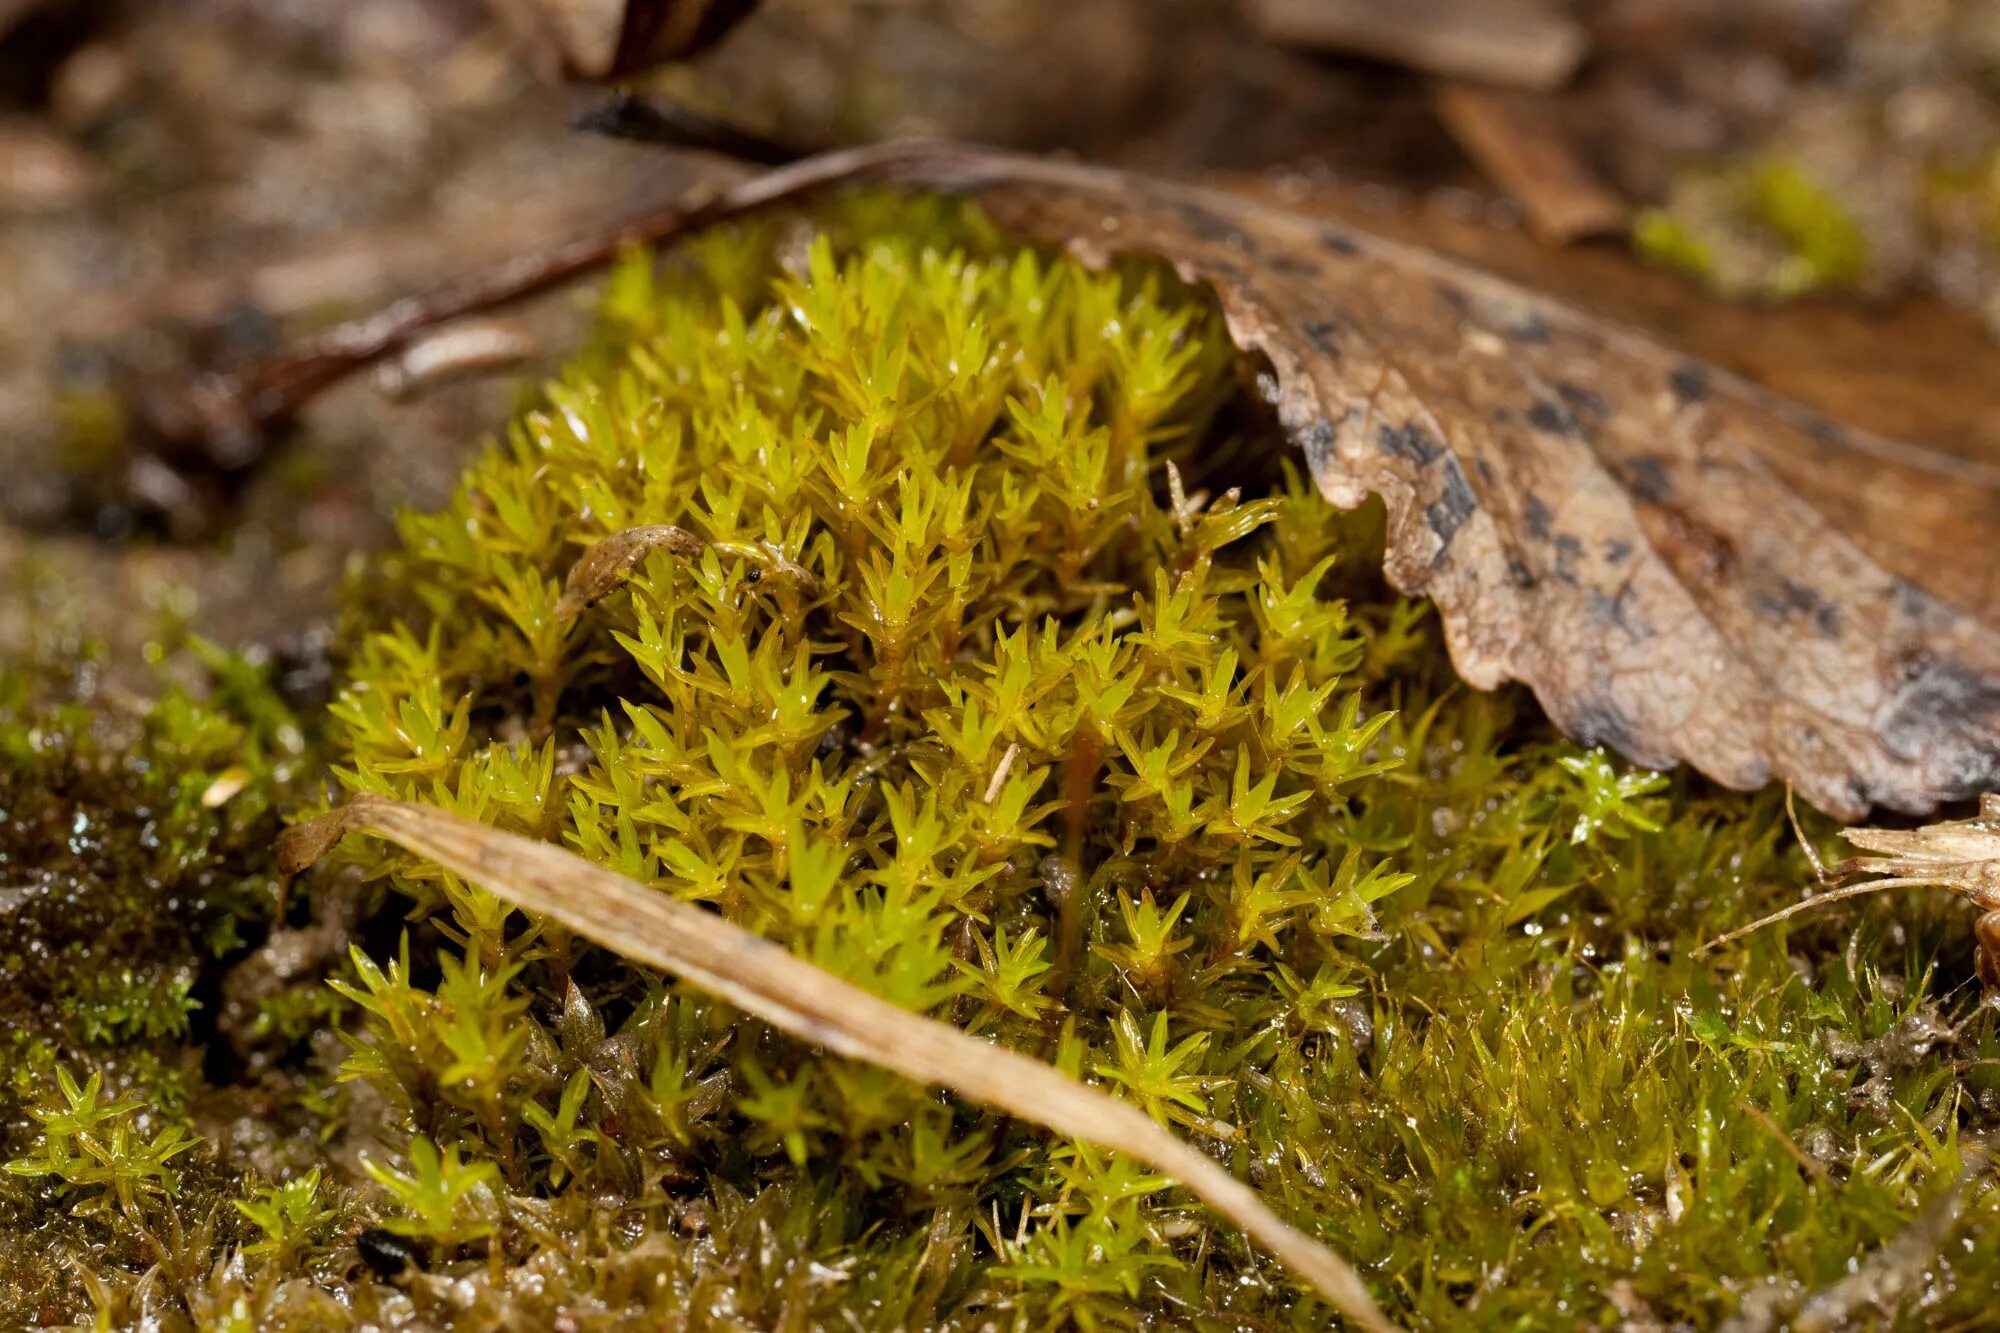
(978, 682)
(1760, 228)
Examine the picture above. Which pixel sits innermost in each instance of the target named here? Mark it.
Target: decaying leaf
(1679, 564)
(766, 980)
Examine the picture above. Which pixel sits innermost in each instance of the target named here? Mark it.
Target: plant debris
(1517, 43)
(1515, 142)
(1855, 150)
(1882, 1281)
(1960, 855)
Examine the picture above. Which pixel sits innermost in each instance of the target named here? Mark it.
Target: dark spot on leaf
(1581, 399)
(1569, 549)
(1646, 478)
(1535, 516)
(1317, 441)
(1797, 595)
(1206, 224)
(1617, 611)
(1689, 382)
(1946, 706)
(1531, 329)
(1547, 416)
(1519, 573)
(1340, 242)
(1447, 514)
(1795, 599)
(1615, 551)
(1412, 442)
(1913, 602)
(1319, 332)
(1454, 297)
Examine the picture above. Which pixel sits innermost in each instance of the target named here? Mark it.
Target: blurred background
(1804, 190)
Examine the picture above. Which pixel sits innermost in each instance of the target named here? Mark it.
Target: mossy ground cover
(1002, 664)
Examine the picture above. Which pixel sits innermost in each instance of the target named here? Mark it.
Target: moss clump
(1825, 243)
(1763, 229)
(133, 860)
(948, 690)
(970, 676)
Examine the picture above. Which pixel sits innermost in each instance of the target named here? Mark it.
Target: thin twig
(1811, 1166)
(1516, 43)
(249, 402)
(1808, 904)
(1511, 137)
(670, 125)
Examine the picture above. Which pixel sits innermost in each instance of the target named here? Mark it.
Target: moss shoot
(998, 667)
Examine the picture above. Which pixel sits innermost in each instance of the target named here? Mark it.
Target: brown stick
(1512, 43)
(1512, 140)
(663, 124)
(1812, 1167)
(267, 393)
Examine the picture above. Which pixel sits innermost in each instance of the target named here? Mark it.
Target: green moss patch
(1002, 664)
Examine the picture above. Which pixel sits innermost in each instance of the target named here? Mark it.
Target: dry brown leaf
(762, 978)
(1681, 565)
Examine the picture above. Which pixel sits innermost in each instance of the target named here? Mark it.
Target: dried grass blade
(765, 979)
(599, 569)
